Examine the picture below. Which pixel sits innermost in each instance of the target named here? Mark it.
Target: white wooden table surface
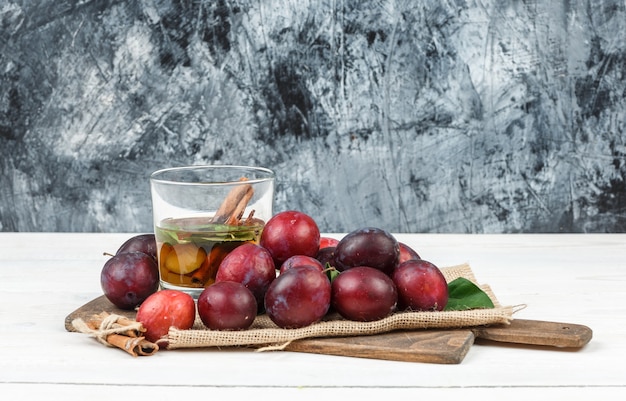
(571, 278)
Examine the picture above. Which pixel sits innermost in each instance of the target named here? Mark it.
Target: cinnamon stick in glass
(232, 208)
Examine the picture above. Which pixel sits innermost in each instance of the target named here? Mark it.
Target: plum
(363, 293)
(407, 253)
(299, 297)
(326, 256)
(326, 242)
(251, 265)
(227, 305)
(290, 233)
(421, 286)
(300, 260)
(165, 309)
(368, 246)
(128, 278)
(145, 243)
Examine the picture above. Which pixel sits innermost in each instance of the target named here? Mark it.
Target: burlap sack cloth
(264, 332)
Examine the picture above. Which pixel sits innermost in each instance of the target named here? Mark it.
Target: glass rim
(154, 176)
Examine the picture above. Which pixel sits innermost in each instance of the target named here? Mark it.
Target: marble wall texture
(476, 116)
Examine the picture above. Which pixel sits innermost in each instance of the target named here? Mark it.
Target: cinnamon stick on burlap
(117, 331)
(232, 208)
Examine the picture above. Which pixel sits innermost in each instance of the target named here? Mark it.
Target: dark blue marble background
(433, 116)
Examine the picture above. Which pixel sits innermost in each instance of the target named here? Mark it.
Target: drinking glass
(201, 213)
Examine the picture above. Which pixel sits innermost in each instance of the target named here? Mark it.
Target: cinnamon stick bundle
(117, 331)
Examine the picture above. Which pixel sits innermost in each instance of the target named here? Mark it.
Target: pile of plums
(294, 275)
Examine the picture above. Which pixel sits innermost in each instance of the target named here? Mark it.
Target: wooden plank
(95, 306)
(536, 332)
(426, 346)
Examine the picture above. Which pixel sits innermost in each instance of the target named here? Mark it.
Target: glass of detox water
(201, 213)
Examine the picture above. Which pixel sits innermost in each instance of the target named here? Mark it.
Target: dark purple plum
(145, 243)
(326, 256)
(364, 294)
(128, 278)
(298, 298)
(368, 246)
(227, 305)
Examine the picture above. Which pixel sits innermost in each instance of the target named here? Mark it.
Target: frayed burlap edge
(264, 332)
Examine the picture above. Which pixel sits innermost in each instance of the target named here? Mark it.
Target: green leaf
(202, 233)
(465, 295)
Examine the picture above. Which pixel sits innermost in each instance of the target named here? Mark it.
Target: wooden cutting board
(427, 346)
